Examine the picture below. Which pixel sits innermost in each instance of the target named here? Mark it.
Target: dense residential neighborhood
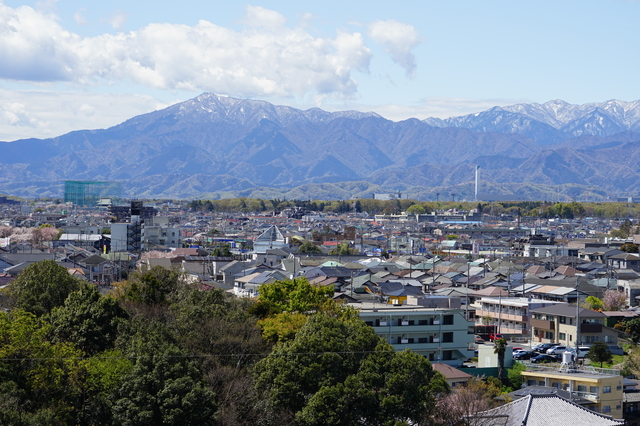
(447, 285)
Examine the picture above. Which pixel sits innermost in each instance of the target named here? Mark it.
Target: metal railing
(583, 369)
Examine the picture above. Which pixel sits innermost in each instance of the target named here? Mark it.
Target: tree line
(542, 209)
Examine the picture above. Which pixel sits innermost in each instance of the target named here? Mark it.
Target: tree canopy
(599, 352)
(338, 371)
(42, 286)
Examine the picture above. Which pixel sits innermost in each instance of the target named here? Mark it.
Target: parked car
(542, 347)
(495, 336)
(521, 355)
(556, 350)
(582, 351)
(543, 358)
(478, 340)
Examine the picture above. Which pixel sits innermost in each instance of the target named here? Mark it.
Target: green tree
(224, 251)
(389, 388)
(515, 375)
(309, 248)
(416, 209)
(629, 248)
(343, 249)
(632, 328)
(87, 319)
(295, 295)
(599, 352)
(40, 381)
(163, 388)
(325, 352)
(154, 286)
(593, 303)
(500, 346)
(42, 286)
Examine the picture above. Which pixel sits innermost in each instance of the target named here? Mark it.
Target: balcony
(590, 328)
(543, 325)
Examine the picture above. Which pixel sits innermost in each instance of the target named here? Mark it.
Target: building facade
(441, 335)
(602, 387)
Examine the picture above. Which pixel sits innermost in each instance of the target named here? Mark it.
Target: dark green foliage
(222, 251)
(40, 381)
(42, 286)
(389, 388)
(343, 249)
(163, 389)
(88, 320)
(629, 248)
(337, 371)
(324, 352)
(309, 248)
(599, 352)
(632, 328)
(154, 286)
(500, 346)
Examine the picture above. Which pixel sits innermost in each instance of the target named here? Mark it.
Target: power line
(195, 356)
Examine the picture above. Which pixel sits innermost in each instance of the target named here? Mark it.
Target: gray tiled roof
(545, 410)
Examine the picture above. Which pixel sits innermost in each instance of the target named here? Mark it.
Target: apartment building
(557, 324)
(510, 315)
(602, 387)
(440, 334)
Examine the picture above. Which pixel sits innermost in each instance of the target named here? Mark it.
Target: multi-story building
(440, 334)
(510, 315)
(89, 193)
(602, 387)
(557, 324)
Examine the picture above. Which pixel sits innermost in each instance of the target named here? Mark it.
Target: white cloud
(265, 59)
(79, 16)
(44, 114)
(117, 20)
(258, 16)
(398, 40)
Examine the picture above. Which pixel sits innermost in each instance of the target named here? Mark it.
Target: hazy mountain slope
(220, 145)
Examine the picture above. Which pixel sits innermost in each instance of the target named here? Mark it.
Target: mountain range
(214, 146)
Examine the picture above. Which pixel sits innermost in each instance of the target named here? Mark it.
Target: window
(606, 409)
(555, 385)
(447, 337)
(618, 407)
(582, 388)
(562, 336)
(619, 387)
(423, 322)
(594, 389)
(562, 320)
(531, 382)
(423, 340)
(447, 355)
(606, 389)
(447, 320)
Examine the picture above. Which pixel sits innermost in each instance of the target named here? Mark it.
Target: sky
(69, 65)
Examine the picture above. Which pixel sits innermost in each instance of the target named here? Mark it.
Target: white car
(582, 351)
(556, 350)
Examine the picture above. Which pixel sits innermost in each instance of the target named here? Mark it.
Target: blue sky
(68, 65)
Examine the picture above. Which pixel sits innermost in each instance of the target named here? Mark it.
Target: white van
(582, 351)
